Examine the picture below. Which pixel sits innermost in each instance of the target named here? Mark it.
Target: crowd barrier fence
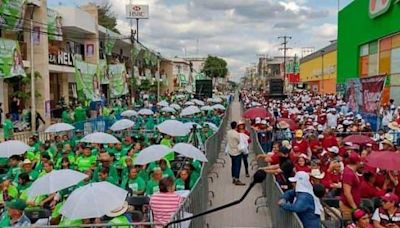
(273, 192)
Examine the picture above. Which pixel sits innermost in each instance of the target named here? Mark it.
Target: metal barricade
(273, 192)
(197, 201)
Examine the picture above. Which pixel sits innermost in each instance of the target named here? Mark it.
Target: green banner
(54, 25)
(109, 44)
(87, 81)
(12, 14)
(11, 63)
(102, 71)
(118, 80)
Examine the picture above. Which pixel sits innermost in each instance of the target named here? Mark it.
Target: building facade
(369, 44)
(318, 70)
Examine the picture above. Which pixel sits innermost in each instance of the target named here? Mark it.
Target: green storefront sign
(357, 27)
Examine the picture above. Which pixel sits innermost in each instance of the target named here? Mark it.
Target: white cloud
(237, 30)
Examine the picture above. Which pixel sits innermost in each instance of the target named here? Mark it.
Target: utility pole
(285, 48)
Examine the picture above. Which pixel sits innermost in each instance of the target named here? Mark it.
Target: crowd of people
(305, 139)
(113, 163)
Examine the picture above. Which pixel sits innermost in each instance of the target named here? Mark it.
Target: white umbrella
(188, 150)
(152, 153)
(99, 137)
(175, 106)
(218, 106)
(129, 113)
(173, 128)
(206, 108)
(255, 104)
(190, 111)
(189, 103)
(122, 125)
(180, 96)
(214, 100)
(145, 112)
(59, 127)
(163, 104)
(93, 201)
(212, 126)
(168, 109)
(12, 147)
(55, 181)
(198, 102)
(189, 125)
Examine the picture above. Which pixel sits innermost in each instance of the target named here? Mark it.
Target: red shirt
(328, 141)
(300, 146)
(305, 168)
(275, 159)
(349, 177)
(314, 145)
(285, 113)
(321, 119)
(370, 191)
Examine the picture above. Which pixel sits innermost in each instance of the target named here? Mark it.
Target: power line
(285, 49)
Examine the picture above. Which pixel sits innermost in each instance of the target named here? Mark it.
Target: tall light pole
(33, 98)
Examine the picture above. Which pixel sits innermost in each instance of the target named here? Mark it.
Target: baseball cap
(333, 149)
(354, 158)
(390, 197)
(300, 176)
(17, 204)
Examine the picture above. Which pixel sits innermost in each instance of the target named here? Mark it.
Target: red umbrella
(256, 112)
(387, 160)
(292, 125)
(358, 139)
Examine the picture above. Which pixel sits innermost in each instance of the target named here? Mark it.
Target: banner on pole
(87, 81)
(11, 63)
(54, 25)
(118, 80)
(371, 89)
(12, 13)
(102, 71)
(353, 94)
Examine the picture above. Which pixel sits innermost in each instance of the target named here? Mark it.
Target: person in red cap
(388, 215)
(360, 219)
(350, 197)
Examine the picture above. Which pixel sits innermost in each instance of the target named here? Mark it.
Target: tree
(215, 67)
(106, 17)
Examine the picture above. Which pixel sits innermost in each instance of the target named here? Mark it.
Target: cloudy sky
(237, 30)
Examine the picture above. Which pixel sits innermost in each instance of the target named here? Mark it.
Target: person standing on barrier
(232, 147)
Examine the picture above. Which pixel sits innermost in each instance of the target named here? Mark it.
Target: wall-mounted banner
(11, 63)
(118, 80)
(371, 89)
(87, 81)
(54, 25)
(353, 95)
(109, 44)
(12, 13)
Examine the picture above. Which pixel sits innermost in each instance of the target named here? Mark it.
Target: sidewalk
(243, 214)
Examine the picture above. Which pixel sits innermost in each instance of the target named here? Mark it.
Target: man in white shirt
(331, 118)
(232, 147)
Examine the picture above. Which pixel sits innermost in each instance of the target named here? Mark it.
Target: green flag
(54, 25)
(109, 44)
(12, 13)
(118, 80)
(102, 71)
(87, 81)
(11, 63)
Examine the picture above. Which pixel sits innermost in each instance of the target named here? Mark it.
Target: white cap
(333, 149)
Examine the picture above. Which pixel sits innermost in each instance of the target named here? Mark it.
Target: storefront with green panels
(368, 44)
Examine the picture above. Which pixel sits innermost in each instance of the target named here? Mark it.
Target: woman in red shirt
(302, 164)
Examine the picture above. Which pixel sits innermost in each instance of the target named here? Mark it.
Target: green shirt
(152, 187)
(136, 185)
(168, 173)
(8, 128)
(85, 163)
(66, 118)
(12, 192)
(80, 114)
(179, 184)
(168, 143)
(122, 219)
